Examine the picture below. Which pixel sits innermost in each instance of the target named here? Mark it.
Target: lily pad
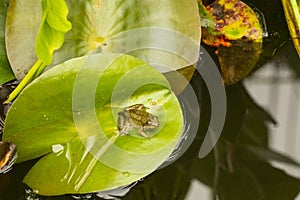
(69, 117)
(164, 33)
(6, 73)
(233, 27)
(232, 20)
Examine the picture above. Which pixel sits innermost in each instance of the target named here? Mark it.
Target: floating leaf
(5, 71)
(233, 20)
(28, 31)
(237, 33)
(70, 120)
(163, 33)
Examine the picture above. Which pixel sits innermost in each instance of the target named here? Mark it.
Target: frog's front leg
(123, 125)
(142, 133)
(124, 131)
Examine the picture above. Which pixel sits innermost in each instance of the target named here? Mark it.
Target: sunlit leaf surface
(69, 115)
(145, 29)
(52, 29)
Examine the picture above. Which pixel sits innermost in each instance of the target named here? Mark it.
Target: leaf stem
(40, 70)
(27, 79)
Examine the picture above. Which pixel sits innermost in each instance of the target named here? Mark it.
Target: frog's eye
(136, 107)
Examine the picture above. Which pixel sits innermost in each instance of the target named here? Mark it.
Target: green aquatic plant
(64, 120)
(50, 37)
(80, 144)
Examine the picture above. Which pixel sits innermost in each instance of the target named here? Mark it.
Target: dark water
(257, 155)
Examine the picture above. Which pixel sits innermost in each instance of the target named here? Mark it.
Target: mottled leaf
(237, 33)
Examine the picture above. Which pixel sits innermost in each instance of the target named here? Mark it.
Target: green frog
(135, 116)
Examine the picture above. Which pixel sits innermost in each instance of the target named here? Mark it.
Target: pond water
(257, 155)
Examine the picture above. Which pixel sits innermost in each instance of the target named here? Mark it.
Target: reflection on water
(276, 87)
(198, 189)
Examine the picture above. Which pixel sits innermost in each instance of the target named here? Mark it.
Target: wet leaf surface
(52, 132)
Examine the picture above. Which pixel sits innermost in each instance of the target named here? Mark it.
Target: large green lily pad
(69, 117)
(166, 33)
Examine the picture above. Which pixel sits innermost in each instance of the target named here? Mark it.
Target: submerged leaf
(71, 121)
(5, 70)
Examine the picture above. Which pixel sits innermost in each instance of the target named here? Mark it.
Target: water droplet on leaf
(127, 174)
